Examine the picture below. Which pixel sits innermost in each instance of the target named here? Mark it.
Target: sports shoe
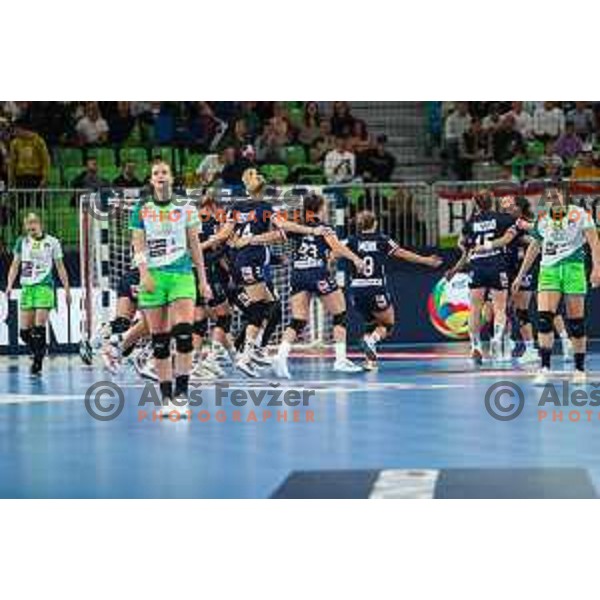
(244, 364)
(220, 354)
(346, 366)
(36, 366)
(259, 357)
(567, 349)
(210, 364)
(169, 408)
(111, 357)
(280, 367)
(370, 365)
(579, 377)
(530, 355)
(542, 376)
(476, 355)
(200, 372)
(496, 350)
(369, 348)
(144, 366)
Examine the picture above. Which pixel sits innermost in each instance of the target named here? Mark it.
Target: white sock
(340, 351)
(284, 349)
(259, 337)
(564, 335)
(475, 340)
(498, 332)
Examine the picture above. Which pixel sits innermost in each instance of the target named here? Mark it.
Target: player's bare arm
(591, 236)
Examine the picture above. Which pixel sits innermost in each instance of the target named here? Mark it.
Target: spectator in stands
(491, 122)
(121, 122)
(270, 146)
(328, 137)
(4, 141)
(474, 146)
(310, 129)
(92, 128)
(456, 124)
(204, 127)
(359, 139)
(90, 178)
(341, 120)
(234, 166)
(569, 144)
(548, 121)
(583, 119)
(551, 163)
(210, 168)
(247, 111)
(506, 140)
(340, 163)
(523, 120)
(128, 178)
(376, 164)
(238, 137)
(318, 150)
(29, 160)
(585, 167)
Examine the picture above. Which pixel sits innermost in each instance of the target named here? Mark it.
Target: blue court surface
(417, 428)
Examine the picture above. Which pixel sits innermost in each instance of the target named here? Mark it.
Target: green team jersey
(37, 258)
(562, 239)
(165, 226)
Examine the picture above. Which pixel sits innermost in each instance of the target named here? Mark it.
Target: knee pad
(522, 316)
(200, 327)
(161, 345)
(182, 332)
(257, 313)
(339, 320)
(545, 321)
(576, 327)
(25, 335)
(224, 323)
(297, 325)
(120, 325)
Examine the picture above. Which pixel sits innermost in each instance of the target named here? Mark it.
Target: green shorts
(168, 287)
(38, 295)
(567, 277)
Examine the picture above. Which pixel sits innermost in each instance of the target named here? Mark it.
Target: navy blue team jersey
(515, 255)
(489, 268)
(310, 258)
(368, 289)
(250, 217)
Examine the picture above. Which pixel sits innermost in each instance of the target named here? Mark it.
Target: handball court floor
(418, 427)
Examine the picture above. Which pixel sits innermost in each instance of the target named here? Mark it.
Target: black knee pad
(161, 345)
(522, 316)
(297, 325)
(257, 313)
(339, 320)
(38, 340)
(200, 327)
(224, 323)
(25, 335)
(182, 332)
(120, 325)
(576, 328)
(545, 321)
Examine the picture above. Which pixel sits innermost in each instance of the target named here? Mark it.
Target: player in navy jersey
(484, 239)
(368, 288)
(311, 277)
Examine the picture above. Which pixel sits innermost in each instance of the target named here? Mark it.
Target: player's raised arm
(432, 261)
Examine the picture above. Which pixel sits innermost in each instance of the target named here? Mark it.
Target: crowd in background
(528, 140)
(231, 136)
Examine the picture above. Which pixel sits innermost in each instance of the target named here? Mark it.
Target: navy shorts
(313, 281)
(529, 281)
(491, 275)
(250, 266)
(370, 300)
(129, 286)
(218, 280)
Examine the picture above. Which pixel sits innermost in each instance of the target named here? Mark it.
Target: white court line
(31, 398)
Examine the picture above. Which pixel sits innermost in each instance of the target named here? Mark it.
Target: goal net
(105, 255)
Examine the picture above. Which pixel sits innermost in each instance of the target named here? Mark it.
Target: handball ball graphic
(448, 306)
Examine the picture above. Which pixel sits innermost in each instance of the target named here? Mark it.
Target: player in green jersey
(35, 255)
(560, 234)
(165, 241)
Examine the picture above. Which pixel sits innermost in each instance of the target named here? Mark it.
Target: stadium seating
(69, 157)
(295, 155)
(104, 156)
(135, 154)
(275, 173)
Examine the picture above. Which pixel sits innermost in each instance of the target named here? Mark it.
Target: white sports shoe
(542, 376)
(244, 364)
(260, 357)
(530, 355)
(210, 364)
(496, 350)
(200, 372)
(111, 356)
(346, 366)
(280, 368)
(170, 407)
(144, 366)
